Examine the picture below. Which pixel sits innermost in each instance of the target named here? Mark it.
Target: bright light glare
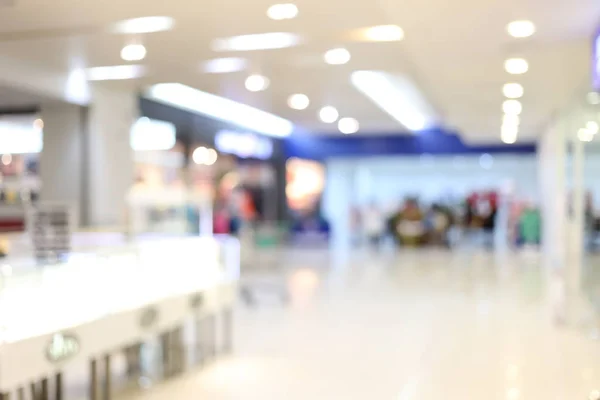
(133, 52)
(298, 101)
(512, 107)
(256, 83)
(348, 125)
(511, 120)
(6, 159)
(513, 90)
(20, 138)
(508, 134)
(38, 124)
(144, 25)
(117, 72)
(280, 12)
(593, 127)
(224, 65)
(337, 56)
(521, 29)
(397, 102)
(191, 99)
(585, 135)
(152, 135)
(384, 33)
(204, 156)
(516, 66)
(260, 41)
(328, 114)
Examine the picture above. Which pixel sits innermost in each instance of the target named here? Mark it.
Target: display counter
(98, 303)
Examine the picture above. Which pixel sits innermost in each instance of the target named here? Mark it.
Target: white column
(552, 151)
(577, 221)
(61, 160)
(110, 157)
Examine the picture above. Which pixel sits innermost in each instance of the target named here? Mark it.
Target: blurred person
(439, 221)
(409, 224)
(374, 225)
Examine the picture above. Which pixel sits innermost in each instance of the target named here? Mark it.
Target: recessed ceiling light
(348, 125)
(224, 65)
(508, 133)
(513, 90)
(117, 72)
(260, 41)
(298, 101)
(521, 29)
(383, 33)
(257, 83)
(280, 12)
(585, 135)
(38, 124)
(593, 98)
(516, 66)
(511, 120)
(144, 25)
(593, 127)
(178, 95)
(328, 114)
(133, 52)
(512, 107)
(337, 56)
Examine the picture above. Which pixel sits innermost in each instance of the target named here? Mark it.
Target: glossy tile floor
(419, 325)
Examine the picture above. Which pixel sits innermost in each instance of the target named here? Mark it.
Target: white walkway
(421, 326)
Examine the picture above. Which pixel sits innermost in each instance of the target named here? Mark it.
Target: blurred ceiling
(453, 51)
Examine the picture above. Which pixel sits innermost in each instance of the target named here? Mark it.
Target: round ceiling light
(585, 135)
(280, 12)
(513, 90)
(257, 83)
(592, 127)
(508, 133)
(512, 107)
(384, 33)
(328, 114)
(133, 52)
(144, 25)
(521, 29)
(298, 101)
(516, 66)
(337, 56)
(38, 124)
(511, 120)
(348, 125)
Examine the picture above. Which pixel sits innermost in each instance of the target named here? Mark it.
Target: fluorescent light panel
(116, 72)
(151, 135)
(397, 96)
(144, 25)
(259, 41)
(217, 107)
(224, 65)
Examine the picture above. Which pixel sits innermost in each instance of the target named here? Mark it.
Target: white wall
(388, 180)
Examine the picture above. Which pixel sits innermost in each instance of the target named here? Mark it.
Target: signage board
(596, 61)
(244, 145)
(50, 229)
(62, 347)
